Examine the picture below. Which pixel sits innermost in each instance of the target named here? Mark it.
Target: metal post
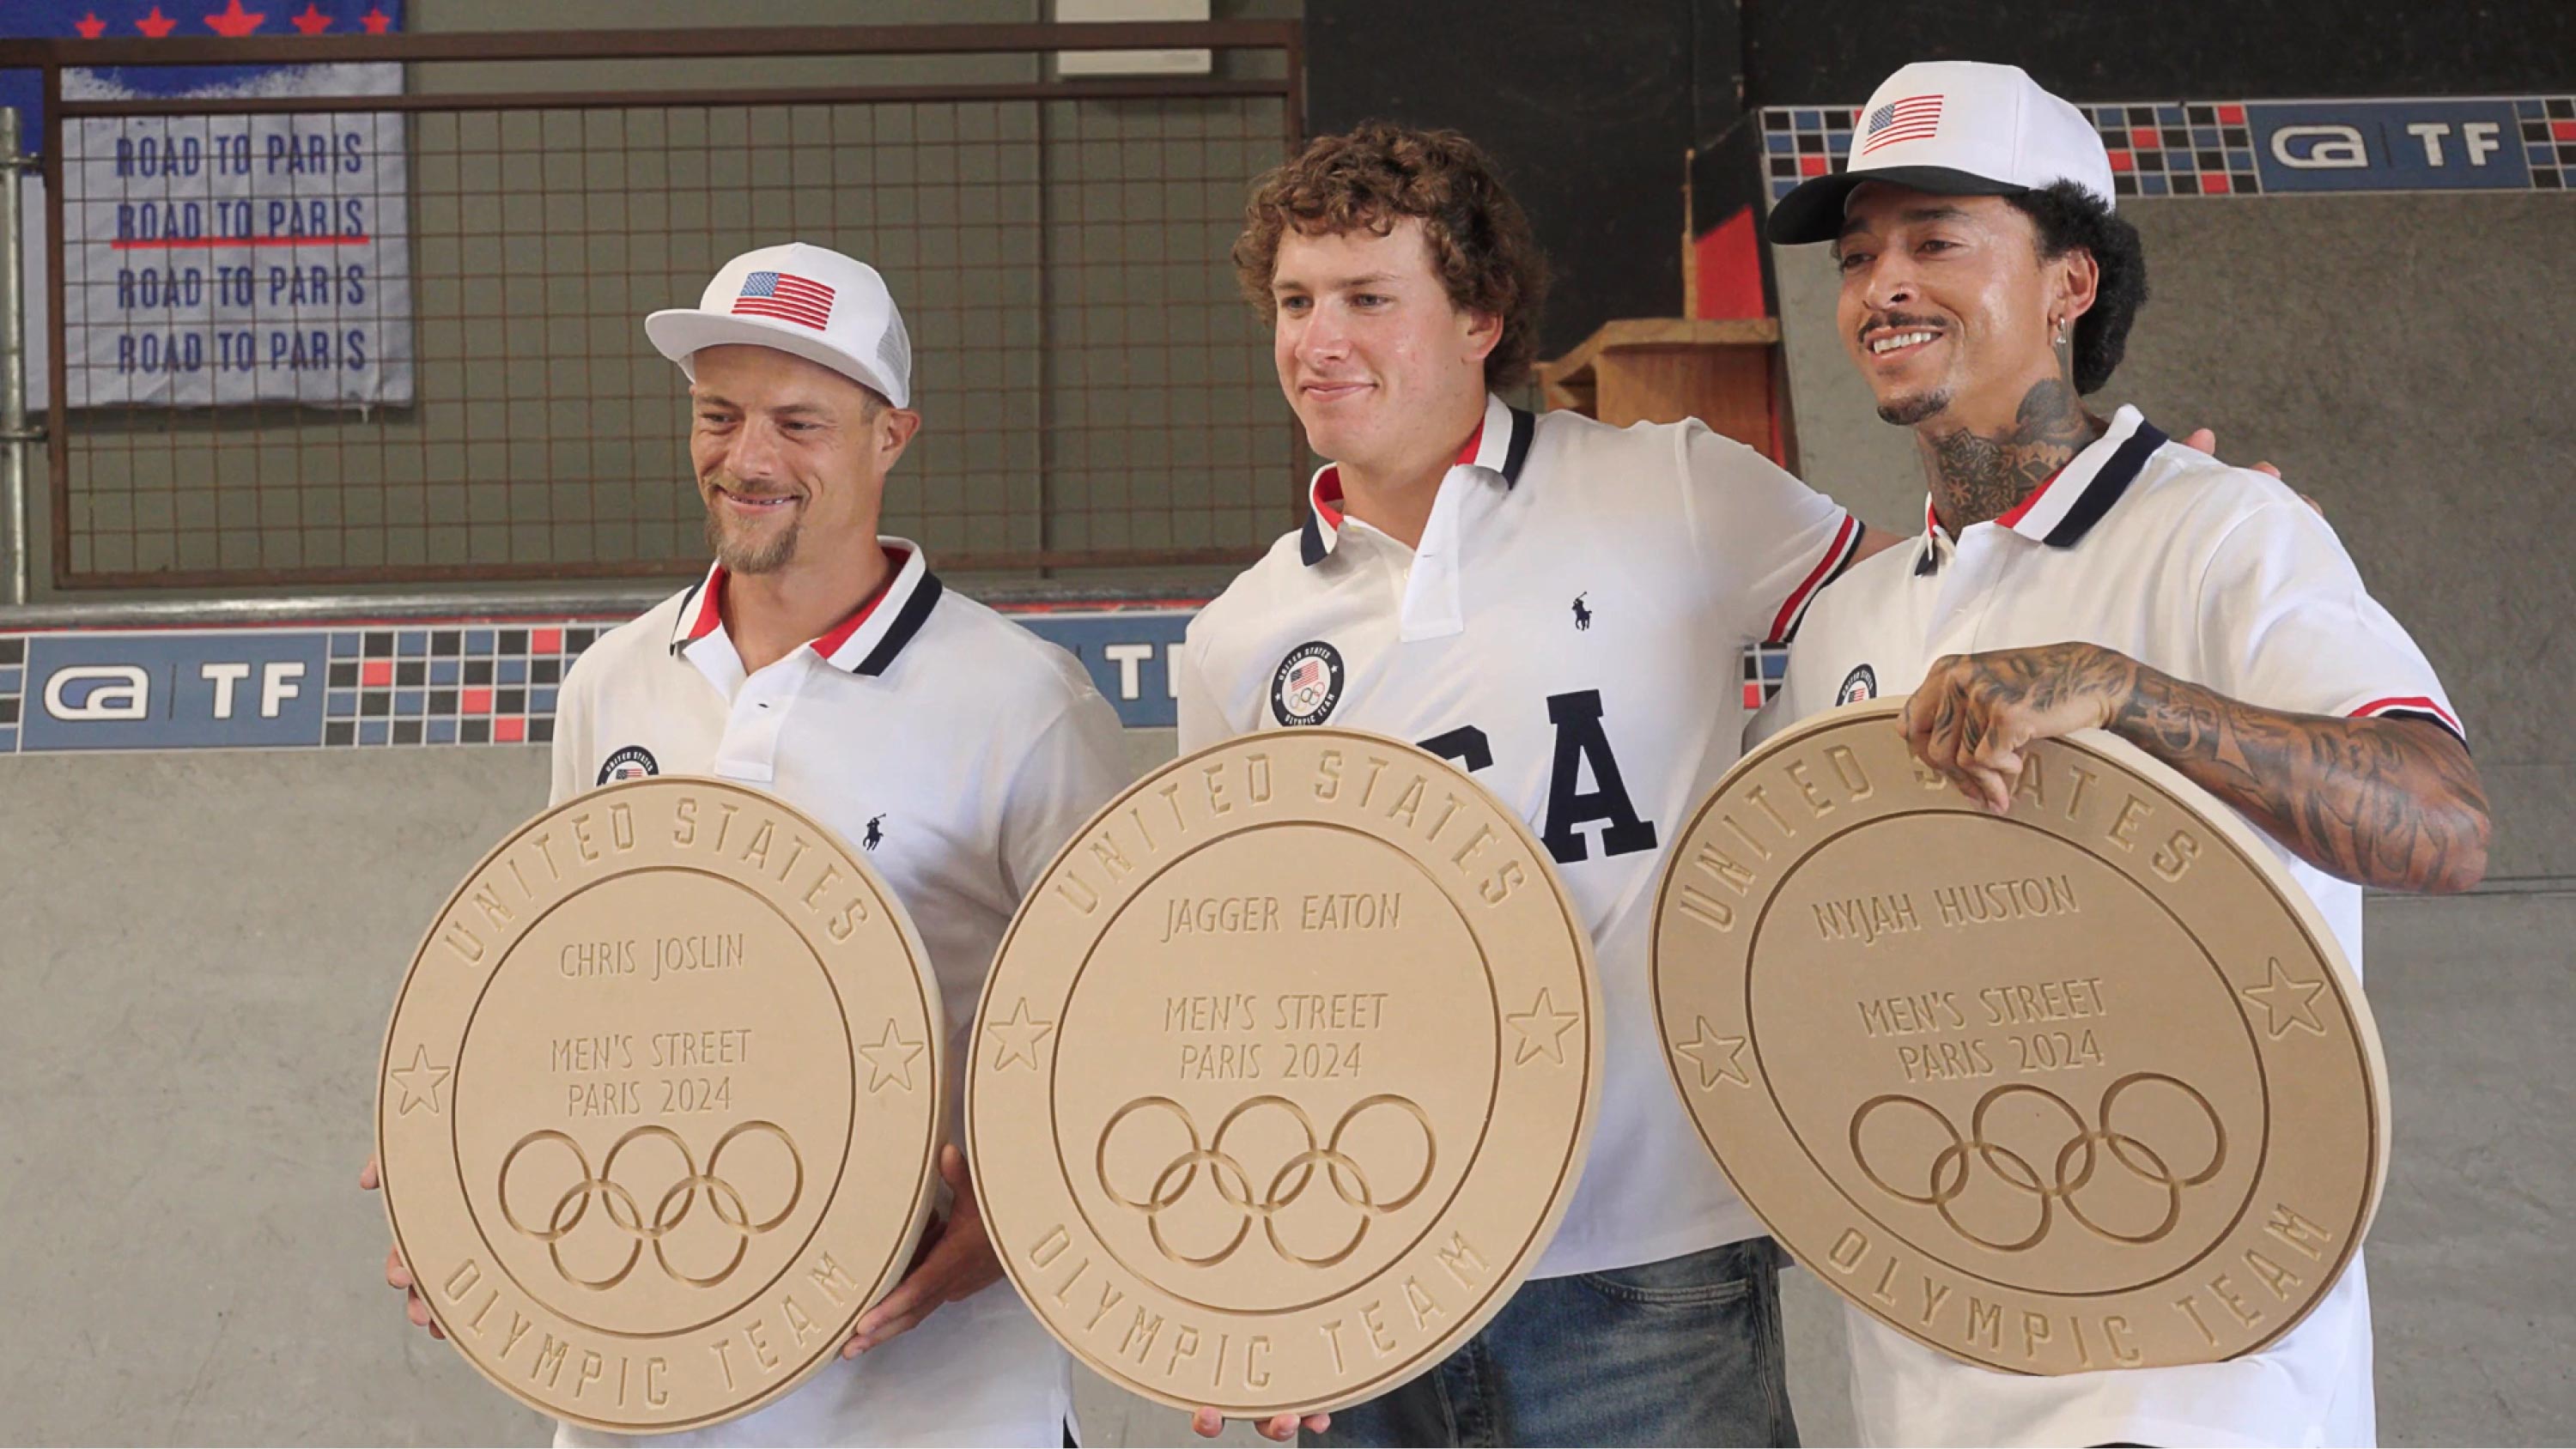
(14, 437)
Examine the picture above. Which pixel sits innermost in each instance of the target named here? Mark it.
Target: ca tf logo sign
(173, 691)
(2388, 146)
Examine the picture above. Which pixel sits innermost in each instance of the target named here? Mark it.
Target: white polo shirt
(1569, 631)
(2215, 575)
(959, 751)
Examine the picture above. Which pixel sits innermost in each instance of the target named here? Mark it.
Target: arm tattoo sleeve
(2392, 803)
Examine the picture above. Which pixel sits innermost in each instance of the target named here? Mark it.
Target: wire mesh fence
(1094, 389)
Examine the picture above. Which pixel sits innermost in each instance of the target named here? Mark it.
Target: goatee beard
(1905, 412)
(741, 557)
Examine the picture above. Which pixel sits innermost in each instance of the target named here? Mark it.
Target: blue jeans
(1685, 1351)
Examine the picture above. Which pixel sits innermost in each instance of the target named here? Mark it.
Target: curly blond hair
(1376, 176)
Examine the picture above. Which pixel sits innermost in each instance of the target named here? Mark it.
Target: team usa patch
(1308, 684)
(1860, 684)
(633, 762)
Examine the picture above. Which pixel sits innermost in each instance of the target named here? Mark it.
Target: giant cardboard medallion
(1285, 1072)
(2087, 1085)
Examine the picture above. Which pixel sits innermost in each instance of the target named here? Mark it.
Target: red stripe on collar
(830, 644)
(710, 606)
(2015, 514)
(1328, 496)
(1328, 484)
(1475, 440)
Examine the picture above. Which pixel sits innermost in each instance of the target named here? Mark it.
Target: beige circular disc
(660, 1103)
(1284, 1073)
(2085, 1086)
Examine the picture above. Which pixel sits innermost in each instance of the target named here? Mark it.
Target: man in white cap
(825, 664)
(2076, 571)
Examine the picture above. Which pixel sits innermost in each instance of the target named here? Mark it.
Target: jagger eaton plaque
(2087, 1085)
(1284, 1074)
(659, 1104)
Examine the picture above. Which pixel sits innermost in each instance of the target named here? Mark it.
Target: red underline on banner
(208, 243)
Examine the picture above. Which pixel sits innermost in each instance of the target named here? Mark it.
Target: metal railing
(1096, 393)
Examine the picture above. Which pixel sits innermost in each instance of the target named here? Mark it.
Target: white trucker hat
(1953, 128)
(810, 301)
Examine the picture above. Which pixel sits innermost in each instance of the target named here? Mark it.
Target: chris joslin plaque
(1283, 1077)
(2087, 1085)
(659, 1104)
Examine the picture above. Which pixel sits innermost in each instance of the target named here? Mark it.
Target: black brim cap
(1951, 128)
(1814, 212)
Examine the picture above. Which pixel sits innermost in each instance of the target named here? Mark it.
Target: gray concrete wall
(200, 950)
(2404, 360)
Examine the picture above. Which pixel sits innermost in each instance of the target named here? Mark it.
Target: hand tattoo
(2392, 803)
(1976, 478)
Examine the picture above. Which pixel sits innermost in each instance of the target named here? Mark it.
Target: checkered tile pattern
(2196, 149)
(490, 684)
(13, 691)
(1764, 667)
(2549, 140)
(478, 685)
(2158, 148)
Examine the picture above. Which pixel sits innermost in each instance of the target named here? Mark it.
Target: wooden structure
(1729, 374)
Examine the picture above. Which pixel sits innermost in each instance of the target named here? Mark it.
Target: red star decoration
(376, 20)
(235, 22)
(155, 24)
(312, 21)
(90, 26)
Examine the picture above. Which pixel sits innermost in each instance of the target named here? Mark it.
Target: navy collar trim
(2107, 487)
(907, 623)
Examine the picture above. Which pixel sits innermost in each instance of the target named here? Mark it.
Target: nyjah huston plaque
(2087, 1085)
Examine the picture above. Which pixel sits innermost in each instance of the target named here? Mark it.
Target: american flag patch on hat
(1914, 118)
(787, 296)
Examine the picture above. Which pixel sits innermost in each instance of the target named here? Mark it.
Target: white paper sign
(236, 259)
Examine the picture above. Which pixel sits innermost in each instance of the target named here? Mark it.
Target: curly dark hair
(1379, 174)
(2068, 216)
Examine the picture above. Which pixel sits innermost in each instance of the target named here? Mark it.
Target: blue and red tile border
(402, 684)
(481, 684)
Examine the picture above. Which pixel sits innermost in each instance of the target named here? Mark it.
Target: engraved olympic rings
(1349, 1181)
(1949, 1174)
(619, 1206)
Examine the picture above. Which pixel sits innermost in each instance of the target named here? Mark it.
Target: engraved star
(2287, 1001)
(1717, 1057)
(891, 1059)
(1542, 1029)
(420, 1083)
(1019, 1037)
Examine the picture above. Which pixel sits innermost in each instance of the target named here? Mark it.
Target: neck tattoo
(1977, 477)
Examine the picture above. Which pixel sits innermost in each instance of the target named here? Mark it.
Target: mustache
(1906, 320)
(731, 484)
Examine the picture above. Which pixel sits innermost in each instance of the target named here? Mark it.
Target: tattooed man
(2079, 571)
